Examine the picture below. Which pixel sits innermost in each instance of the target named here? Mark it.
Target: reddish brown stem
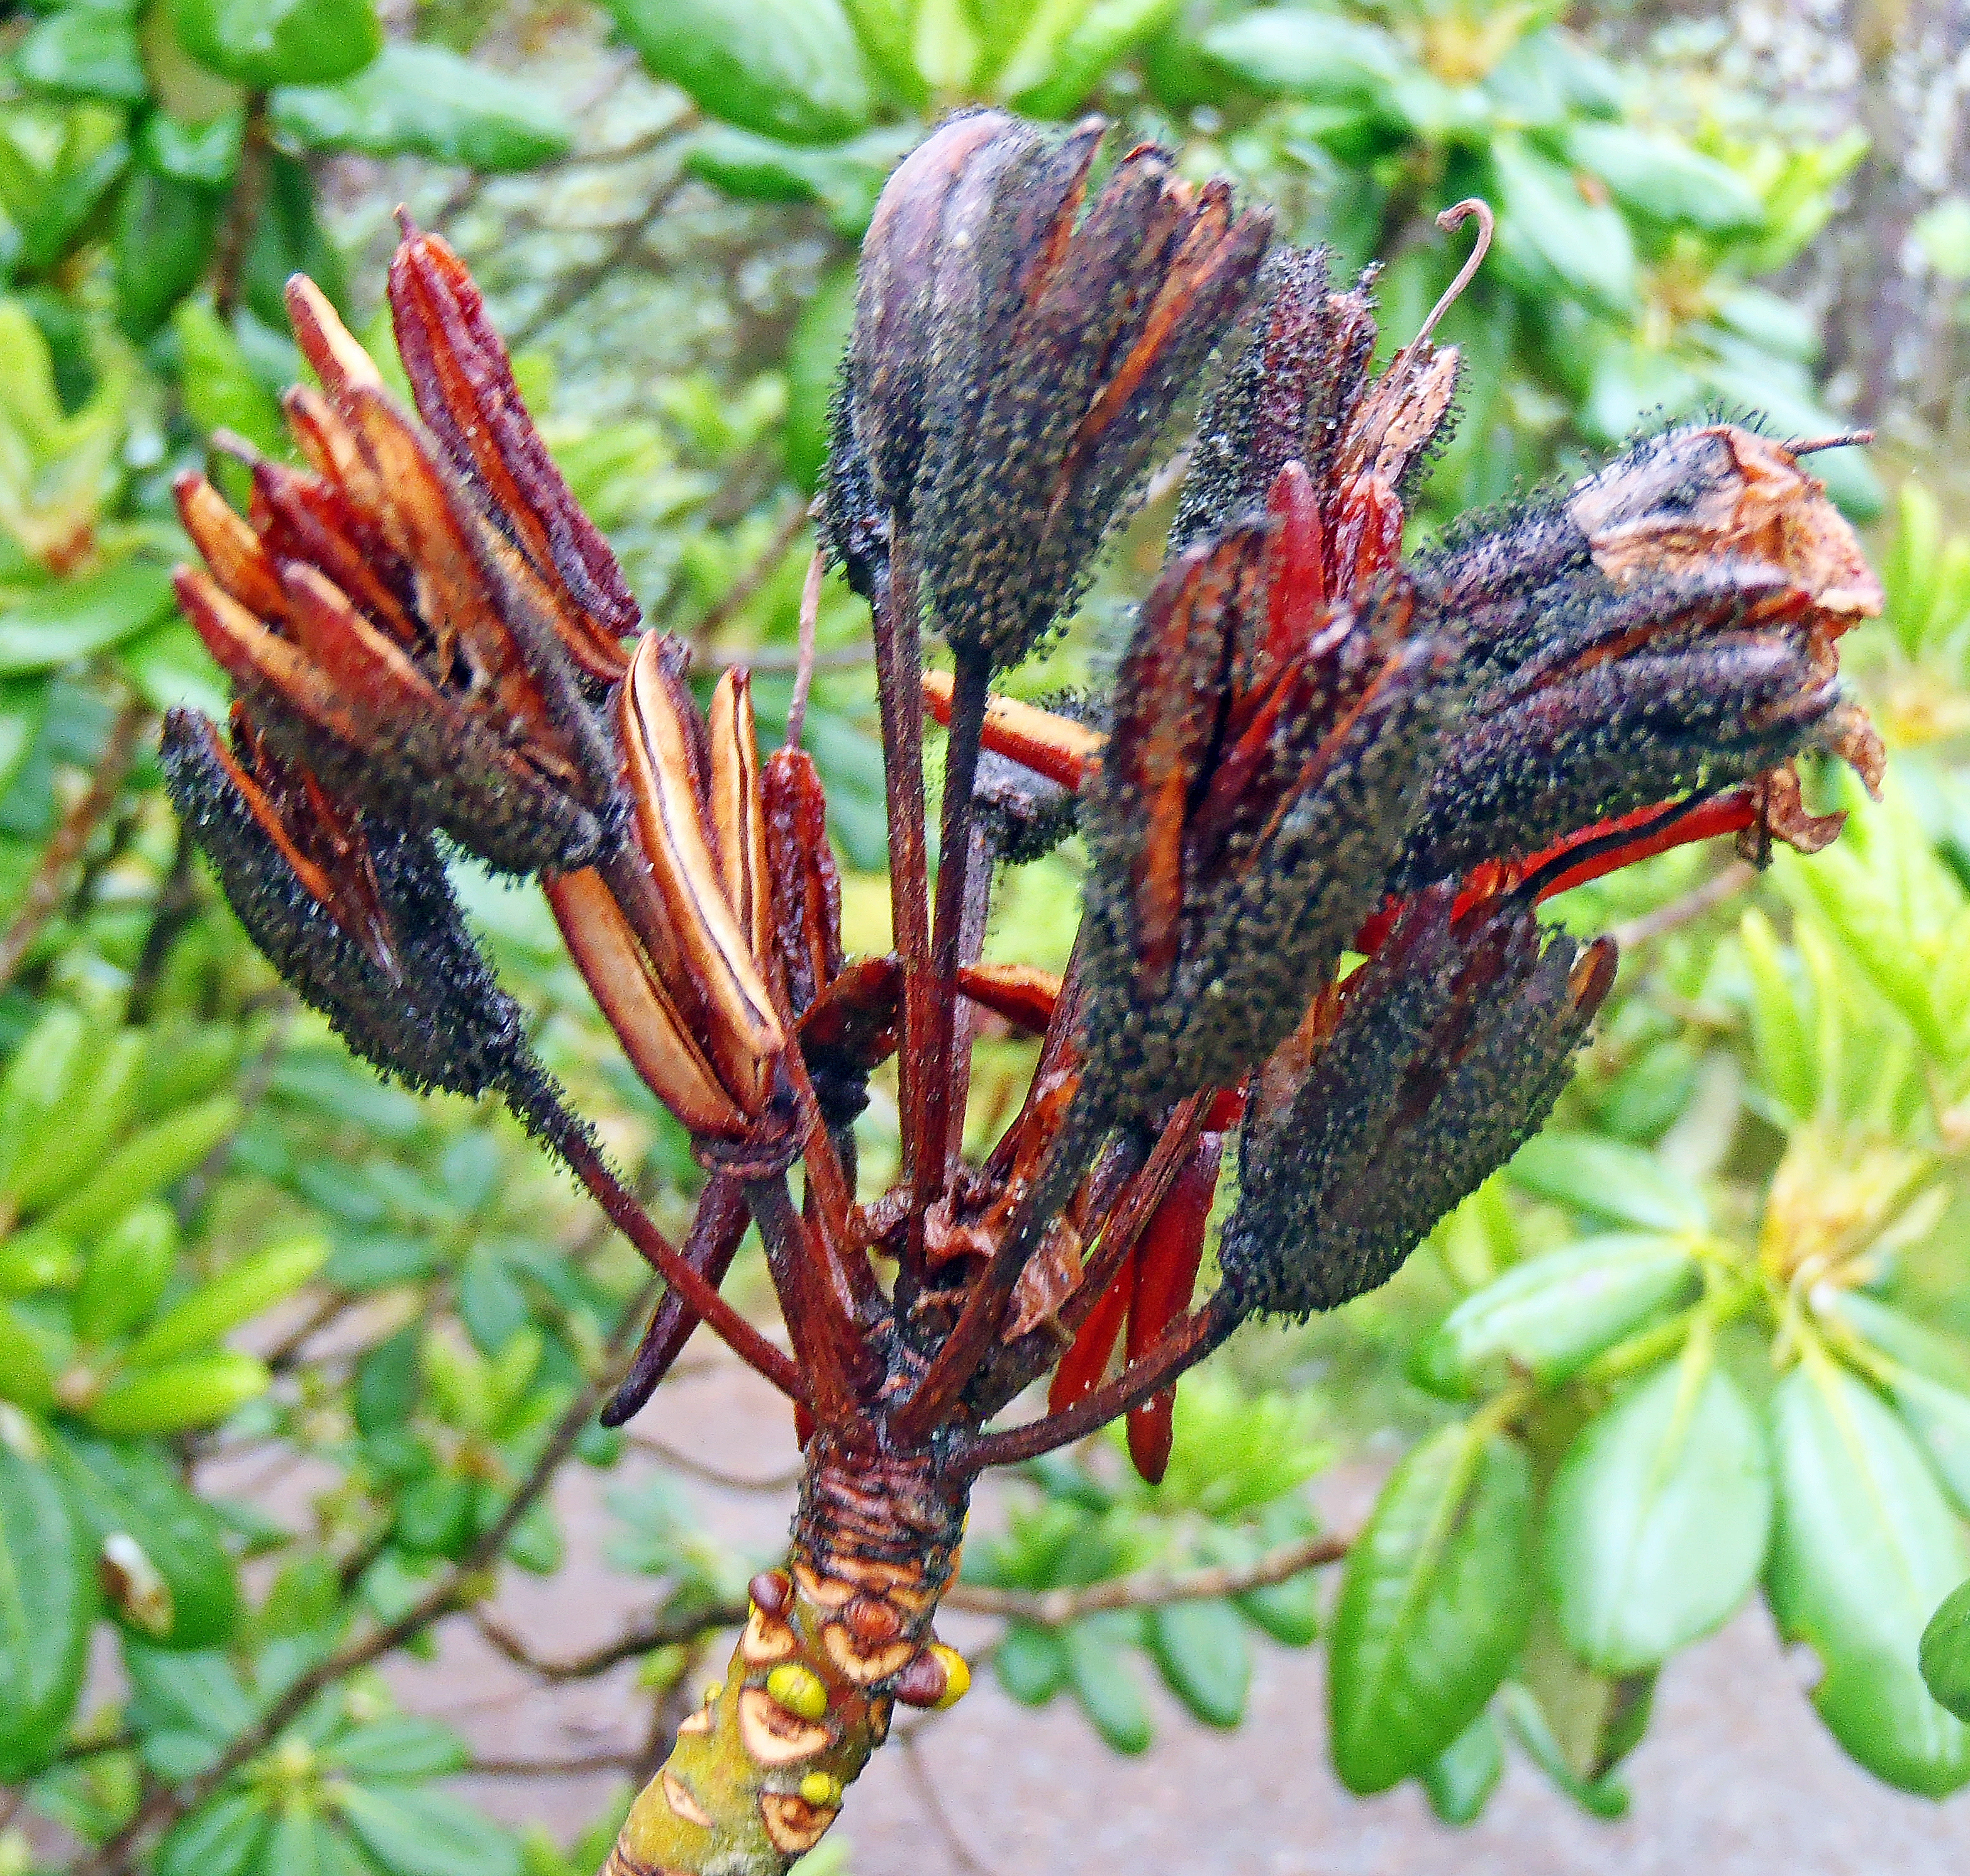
(851, 1282)
(826, 1348)
(724, 1321)
(969, 691)
(717, 1229)
(1187, 1343)
(898, 668)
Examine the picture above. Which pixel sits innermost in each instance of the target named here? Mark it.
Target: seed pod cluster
(1012, 366)
(356, 915)
(1669, 626)
(1404, 1091)
(390, 636)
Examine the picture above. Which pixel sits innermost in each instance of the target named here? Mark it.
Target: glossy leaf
(1945, 1656)
(1550, 1316)
(1206, 1660)
(1939, 1418)
(261, 44)
(1606, 1797)
(1865, 1552)
(1305, 53)
(126, 1273)
(423, 100)
(1657, 1521)
(1607, 1180)
(1434, 1601)
(143, 1165)
(1071, 65)
(198, 1391)
(166, 232)
(76, 619)
(48, 1599)
(238, 1294)
(789, 69)
(1460, 1780)
(131, 1491)
(1548, 229)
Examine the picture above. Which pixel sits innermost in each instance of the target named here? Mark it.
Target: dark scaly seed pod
(377, 944)
(1238, 837)
(1445, 1053)
(1025, 816)
(1010, 371)
(1286, 396)
(1522, 771)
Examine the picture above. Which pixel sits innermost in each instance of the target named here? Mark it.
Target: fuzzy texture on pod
(1252, 798)
(1402, 1091)
(1669, 626)
(383, 952)
(1012, 367)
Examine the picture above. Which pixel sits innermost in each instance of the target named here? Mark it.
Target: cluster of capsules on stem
(1321, 803)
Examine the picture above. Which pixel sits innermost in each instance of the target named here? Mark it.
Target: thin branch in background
(1150, 1589)
(64, 848)
(161, 1806)
(552, 1768)
(738, 596)
(660, 1631)
(809, 620)
(176, 906)
(242, 207)
(1734, 879)
(932, 1801)
(711, 1474)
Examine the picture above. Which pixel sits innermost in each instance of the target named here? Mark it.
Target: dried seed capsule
(1262, 770)
(1011, 369)
(358, 918)
(1404, 1091)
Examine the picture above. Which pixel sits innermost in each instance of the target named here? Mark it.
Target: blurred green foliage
(1708, 1338)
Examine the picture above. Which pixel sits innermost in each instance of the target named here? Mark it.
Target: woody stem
(587, 1163)
(899, 697)
(970, 686)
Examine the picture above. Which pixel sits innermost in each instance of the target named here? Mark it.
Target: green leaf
(48, 1599)
(221, 1839)
(1548, 231)
(200, 1694)
(422, 100)
(1605, 1797)
(1866, 1551)
(1665, 180)
(1307, 54)
(261, 44)
(403, 1747)
(1781, 1028)
(1460, 1780)
(814, 362)
(1031, 1663)
(126, 1273)
(1657, 1520)
(1550, 1316)
(206, 154)
(220, 391)
(1289, 1612)
(789, 69)
(27, 1367)
(132, 1490)
(1945, 1656)
(1107, 1687)
(153, 1157)
(198, 1392)
(887, 30)
(1101, 37)
(1913, 1344)
(1607, 1180)
(428, 1833)
(1939, 1418)
(237, 1295)
(77, 618)
(1434, 1601)
(84, 52)
(1202, 1649)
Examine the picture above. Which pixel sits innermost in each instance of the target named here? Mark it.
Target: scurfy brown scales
(1315, 749)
